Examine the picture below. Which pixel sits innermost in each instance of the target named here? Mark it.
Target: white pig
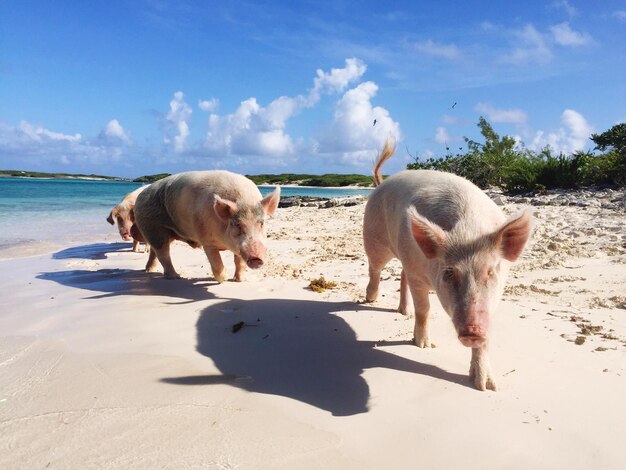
(122, 214)
(215, 210)
(450, 237)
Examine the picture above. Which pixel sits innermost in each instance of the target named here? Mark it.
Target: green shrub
(498, 162)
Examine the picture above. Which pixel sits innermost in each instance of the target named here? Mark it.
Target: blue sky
(129, 88)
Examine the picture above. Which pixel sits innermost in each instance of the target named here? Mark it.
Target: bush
(498, 162)
(609, 168)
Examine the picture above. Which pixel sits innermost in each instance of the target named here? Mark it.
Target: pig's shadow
(92, 251)
(297, 349)
(114, 282)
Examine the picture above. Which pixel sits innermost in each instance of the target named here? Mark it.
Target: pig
(123, 215)
(216, 210)
(450, 237)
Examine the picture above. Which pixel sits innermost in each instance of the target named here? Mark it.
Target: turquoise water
(39, 215)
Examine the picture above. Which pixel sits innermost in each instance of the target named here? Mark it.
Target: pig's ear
(224, 208)
(110, 217)
(430, 237)
(512, 237)
(270, 202)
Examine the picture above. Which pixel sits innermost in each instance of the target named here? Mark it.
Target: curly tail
(383, 156)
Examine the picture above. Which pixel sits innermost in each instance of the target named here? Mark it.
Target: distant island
(39, 174)
(327, 180)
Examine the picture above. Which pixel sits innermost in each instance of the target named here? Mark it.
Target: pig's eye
(490, 273)
(448, 275)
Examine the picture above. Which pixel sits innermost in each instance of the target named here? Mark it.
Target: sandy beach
(105, 366)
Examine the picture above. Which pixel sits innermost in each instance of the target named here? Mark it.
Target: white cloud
(40, 134)
(447, 51)
(565, 36)
(256, 130)
(252, 129)
(177, 122)
(114, 134)
(336, 80)
(353, 136)
(441, 135)
(33, 145)
(530, 48)
(208, 105)
(516, 116)
(579, 129)
(572, 137)
(253, 135)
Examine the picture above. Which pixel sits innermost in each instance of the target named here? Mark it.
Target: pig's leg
(405, 307)
(135, 246)
(163, 254)
(377, 262)
(240, 268)
(152, 260)
(480, 372)
(422, 308)
(217, 266)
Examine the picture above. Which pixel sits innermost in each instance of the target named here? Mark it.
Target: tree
(494, 155)
(615, 137)
(493, 144)
(611, 166)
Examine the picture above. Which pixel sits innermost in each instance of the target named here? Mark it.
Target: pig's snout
(254, 254)
(472, 336)
(254, 263)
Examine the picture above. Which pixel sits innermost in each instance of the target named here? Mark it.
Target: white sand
(103, 365)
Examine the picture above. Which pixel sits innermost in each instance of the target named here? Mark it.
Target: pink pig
(122, 214)
(215, 210)
(450, 237)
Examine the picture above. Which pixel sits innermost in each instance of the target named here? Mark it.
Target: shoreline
(607, 198)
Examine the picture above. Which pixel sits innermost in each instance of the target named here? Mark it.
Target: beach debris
(612, 302)
(237, 326)
(320, 284)
(580, 340)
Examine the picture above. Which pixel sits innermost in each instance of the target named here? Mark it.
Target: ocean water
(41, 215)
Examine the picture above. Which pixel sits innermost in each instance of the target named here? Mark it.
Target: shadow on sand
(115, 282)
(297, 349)
(92, 251)
(294, 348)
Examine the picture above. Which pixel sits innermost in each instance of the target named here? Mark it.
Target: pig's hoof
(423, 343)
(239, 278)
(482, 379)
(221, 277)
(407, 312)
